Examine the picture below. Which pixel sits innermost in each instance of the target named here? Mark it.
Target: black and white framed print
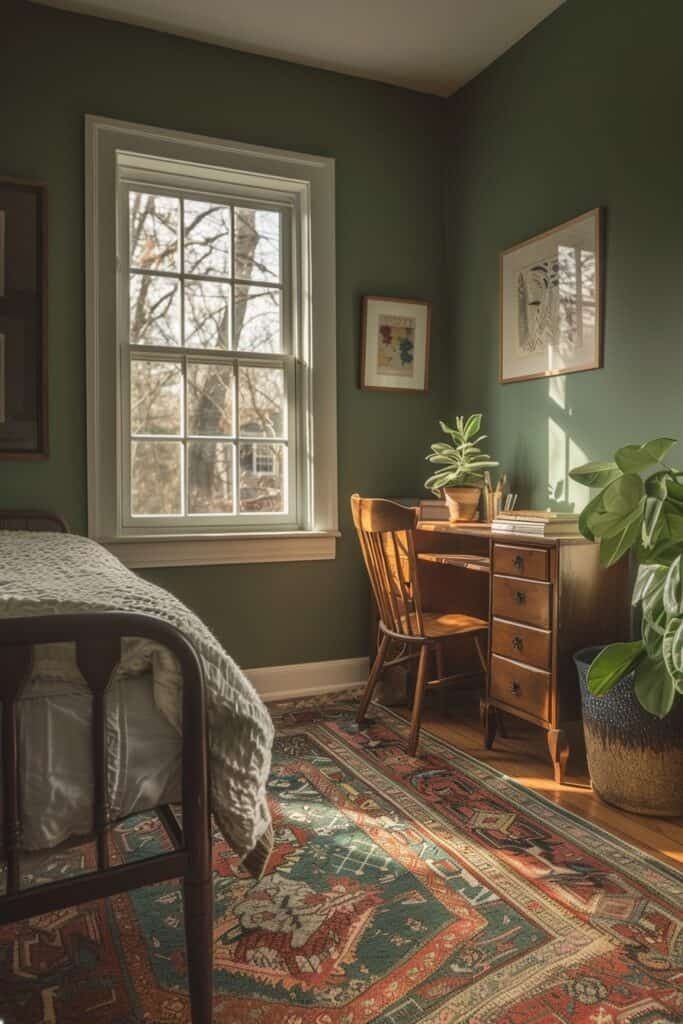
(550, 302)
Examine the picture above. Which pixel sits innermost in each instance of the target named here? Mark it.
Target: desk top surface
(484, 531)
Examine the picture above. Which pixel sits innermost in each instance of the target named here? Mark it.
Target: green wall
(585, 111)
(387, 142)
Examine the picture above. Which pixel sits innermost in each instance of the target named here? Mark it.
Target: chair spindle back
(386, 534)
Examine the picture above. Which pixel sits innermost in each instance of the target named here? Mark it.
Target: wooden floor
(523, 756)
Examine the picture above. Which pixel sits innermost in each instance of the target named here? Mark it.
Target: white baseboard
(281, 682)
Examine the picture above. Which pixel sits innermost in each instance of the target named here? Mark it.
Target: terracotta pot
(635, 759)
(463, 503)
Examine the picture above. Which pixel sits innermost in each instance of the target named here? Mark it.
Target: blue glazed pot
(635, 759)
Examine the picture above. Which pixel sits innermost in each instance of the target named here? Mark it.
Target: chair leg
(372, 678)
(418, 699)
(440, 667)
(198, 900)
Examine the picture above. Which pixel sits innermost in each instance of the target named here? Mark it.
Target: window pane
(155, 397)
(257, 319)
(153, 224)
(154, 312)
(209, 399)
(262, 401)
(207, 238)
(207, 314)
(210, 476)
(257, 245)
(156, 478)
(262, 478)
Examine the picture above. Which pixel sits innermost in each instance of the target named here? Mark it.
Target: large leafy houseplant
(461, 463)
(639, 509)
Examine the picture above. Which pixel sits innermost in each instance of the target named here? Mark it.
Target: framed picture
(394, 344)
(23, 297)
(551, 302)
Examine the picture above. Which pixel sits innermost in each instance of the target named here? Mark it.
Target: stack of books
(433, 511)
(532, 523)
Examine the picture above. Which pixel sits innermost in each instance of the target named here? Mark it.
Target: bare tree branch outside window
(205, 278)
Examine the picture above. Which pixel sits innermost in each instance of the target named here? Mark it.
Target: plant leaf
(473, 425)
(596, 474)
(649, 582)
(674, 490)
(664, 552)
(614, 547)
(652, 523)
(634, 458)
(611, 664)
(673, 520)
(653, 636)
(672, 650)
(585, 517)
(673, 588)
(620, 501)
(654, 688)
(656, 485)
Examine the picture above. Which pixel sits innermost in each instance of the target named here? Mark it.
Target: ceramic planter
(635, 759)
(463, 503)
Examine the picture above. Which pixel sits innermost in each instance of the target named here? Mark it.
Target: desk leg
(490, 724)
(558, 745)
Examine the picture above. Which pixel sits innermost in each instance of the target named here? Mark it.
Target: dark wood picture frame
(365, 324)
(23, 314)
(596, 363)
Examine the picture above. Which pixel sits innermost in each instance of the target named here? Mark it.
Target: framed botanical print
(551, 302)
(23, 287)
(394, 344)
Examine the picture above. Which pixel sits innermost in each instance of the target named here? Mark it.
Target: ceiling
(434, 46)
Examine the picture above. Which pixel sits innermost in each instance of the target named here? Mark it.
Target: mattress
(144, 754)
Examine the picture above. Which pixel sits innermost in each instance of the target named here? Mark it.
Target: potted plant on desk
(632, 692)
(461, 468)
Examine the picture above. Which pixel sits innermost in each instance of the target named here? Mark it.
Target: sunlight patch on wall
(563, 452)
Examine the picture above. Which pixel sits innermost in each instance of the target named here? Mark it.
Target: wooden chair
(386, 534)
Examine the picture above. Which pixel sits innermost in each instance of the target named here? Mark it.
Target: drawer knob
(520, 596)
(517, 643)
(515, 688)
(518, 562)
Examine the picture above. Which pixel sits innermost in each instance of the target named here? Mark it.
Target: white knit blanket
(52, 573)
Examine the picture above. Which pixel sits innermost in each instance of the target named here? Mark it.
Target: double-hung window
(210, 410)
(211, 382)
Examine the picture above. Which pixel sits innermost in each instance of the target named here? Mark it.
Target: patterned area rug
(402, 890)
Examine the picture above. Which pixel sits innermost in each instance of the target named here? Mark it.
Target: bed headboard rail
(32, 519)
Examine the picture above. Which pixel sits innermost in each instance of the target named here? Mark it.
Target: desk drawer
(525, 689)
(522, 643)
(522, 601)
(528, 563)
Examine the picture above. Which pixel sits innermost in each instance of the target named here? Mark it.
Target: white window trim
(311, 179)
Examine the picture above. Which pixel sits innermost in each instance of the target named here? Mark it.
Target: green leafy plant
(640, 509)
(461, 463)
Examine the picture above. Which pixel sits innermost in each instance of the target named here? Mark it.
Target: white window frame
(120, 153)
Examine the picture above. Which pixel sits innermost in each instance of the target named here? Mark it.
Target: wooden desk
(545, 598)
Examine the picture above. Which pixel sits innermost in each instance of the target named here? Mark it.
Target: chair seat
(442, 624)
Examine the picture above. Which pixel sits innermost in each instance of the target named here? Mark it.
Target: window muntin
(209, 363)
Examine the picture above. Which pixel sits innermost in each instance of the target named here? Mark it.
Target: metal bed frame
(97, 637)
